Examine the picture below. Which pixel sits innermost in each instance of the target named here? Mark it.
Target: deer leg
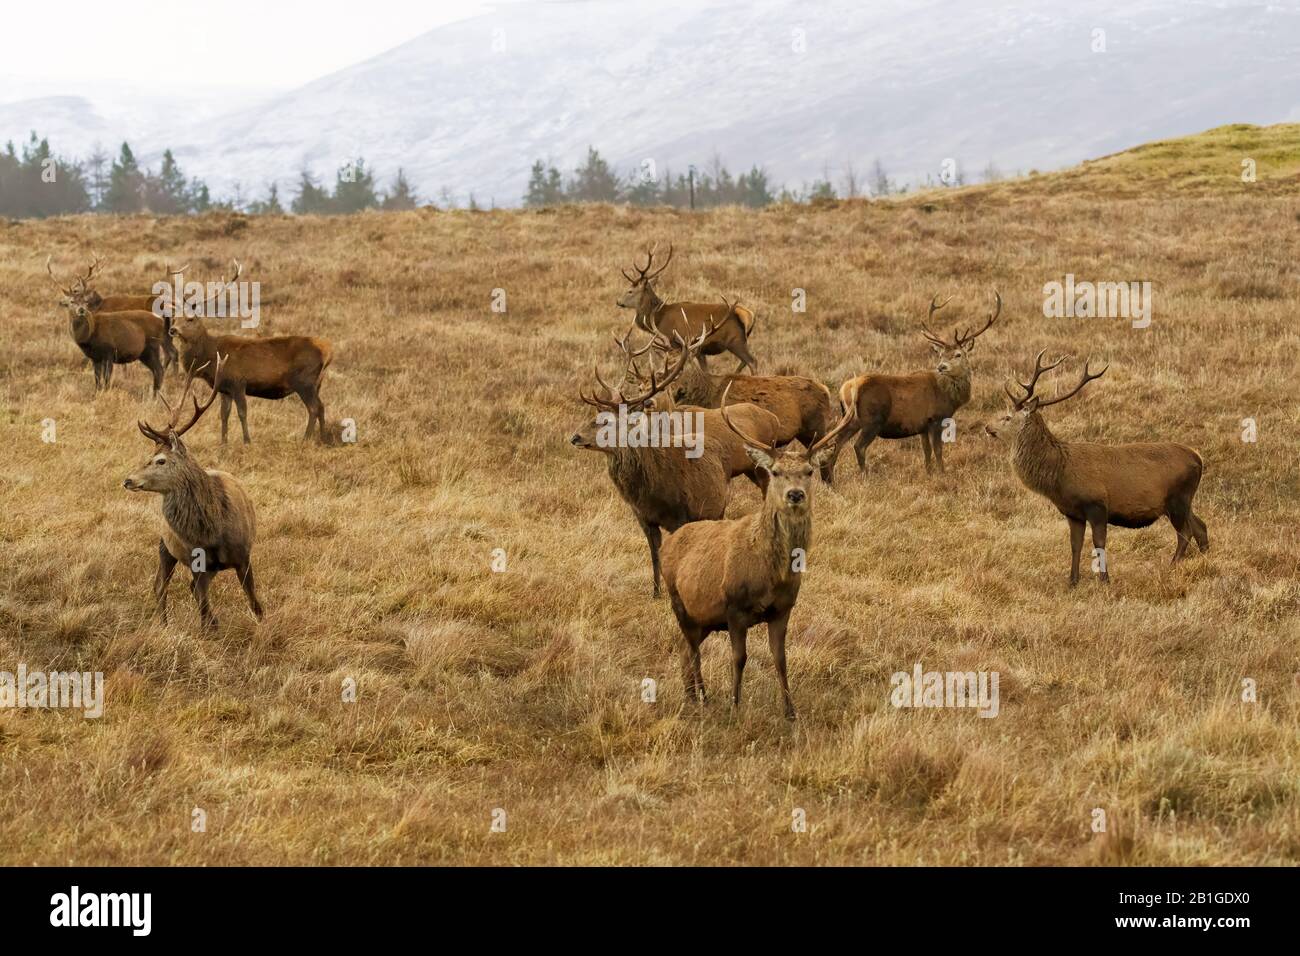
(865, 438)
(153, 359)
(241, 406)
(742, 352)
(99, 372)
(200, 584)
(776, 640)
(692, 679)
(1077, 527)
(166, 565)
(108, 373)
(1098, 521)
(653, 536)
(1199, 531)
(925, 444)
(245, 572)
(936, 439)
(737, 632)
(1179, 514)
(225, 415)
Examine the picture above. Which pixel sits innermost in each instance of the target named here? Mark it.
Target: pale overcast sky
(197, 45)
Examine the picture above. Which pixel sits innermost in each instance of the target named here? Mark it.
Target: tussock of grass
(522, 690)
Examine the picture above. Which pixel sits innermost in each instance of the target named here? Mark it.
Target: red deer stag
(273, 367)
(667, 483)
(751, 416)
(208, 519)
(117, 338)
(804, 408)
(732, 324)
(147, 311)
(1130, 485)
(901, 406)
(732, 574)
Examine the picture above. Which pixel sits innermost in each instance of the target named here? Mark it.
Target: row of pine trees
(35, 183)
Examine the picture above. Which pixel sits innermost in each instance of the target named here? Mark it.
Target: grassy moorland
(521, 690)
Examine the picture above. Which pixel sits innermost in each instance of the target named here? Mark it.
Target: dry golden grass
(522, 690)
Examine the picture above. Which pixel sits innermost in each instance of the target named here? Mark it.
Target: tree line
(35, 183)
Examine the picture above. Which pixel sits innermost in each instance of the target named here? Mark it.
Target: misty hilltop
(802, 90)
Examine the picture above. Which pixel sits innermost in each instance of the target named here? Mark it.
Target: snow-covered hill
(802, 88)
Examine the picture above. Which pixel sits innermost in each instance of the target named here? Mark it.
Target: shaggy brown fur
(730, 575)
(207, 517)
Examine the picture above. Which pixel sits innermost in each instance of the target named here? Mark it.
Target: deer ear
(760, 457)
(93, 300)
(822, 455)
(174, 440)
(938, 349)
(1030, 406)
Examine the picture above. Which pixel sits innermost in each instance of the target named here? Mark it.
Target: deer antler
(624, 343)
(963, 340)
(1084, 379)
(50, 269)
(643, 274)
(656, 385)
(935, 306)
(834, 433)
(171, 431)
(750, 440)
(1039, 369)
(201, 309)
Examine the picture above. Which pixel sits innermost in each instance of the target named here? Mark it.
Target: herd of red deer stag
(721, 574)
(728, 575)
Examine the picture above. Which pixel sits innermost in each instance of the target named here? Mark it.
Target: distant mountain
(799, 88)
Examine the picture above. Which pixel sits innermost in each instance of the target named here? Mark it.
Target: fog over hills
(798, 88)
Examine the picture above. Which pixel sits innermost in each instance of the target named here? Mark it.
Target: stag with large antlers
(665, 486)
(731, 323)
(149, 312)
(274, 367)
(728, 575)
(920, 403)
(1130, 485)
(751, 416)
(208, 519)
(804, 408)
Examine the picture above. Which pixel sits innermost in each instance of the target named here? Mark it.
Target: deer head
(165, 470)
(640, 294)
(610, 400)
(187, 321)
(954, 354)
(1010, 424)
(76, 291)
(790, 473)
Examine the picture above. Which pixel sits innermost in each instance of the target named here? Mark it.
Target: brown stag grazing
(804, 408)
(208, 519)
(901, 406)
(732, 325)
(151, 312)
(732, 574)
(1130, 485)
(273, 367)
